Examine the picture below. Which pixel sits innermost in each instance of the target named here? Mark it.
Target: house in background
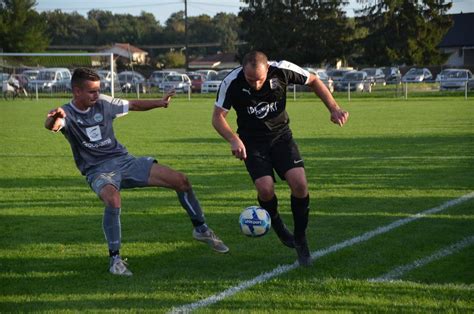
(216, 62)
(128, 53)
(459, 41)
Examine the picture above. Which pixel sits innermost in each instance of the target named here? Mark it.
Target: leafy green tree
(21, 28)
(403, 31)
(227, 26)
(309, 31)
(67, 29)
(174, 59)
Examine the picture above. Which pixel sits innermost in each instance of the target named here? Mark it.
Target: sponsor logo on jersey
(94, 133)
(262, 109)
(98, 117)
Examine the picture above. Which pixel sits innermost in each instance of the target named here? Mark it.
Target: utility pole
(186, 62)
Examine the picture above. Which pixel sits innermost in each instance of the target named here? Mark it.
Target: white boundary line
(401, 270)
(315, 255)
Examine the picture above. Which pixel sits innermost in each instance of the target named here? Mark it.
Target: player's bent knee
(110, 196)
(265, 191)
(299, 189)
(182, 183)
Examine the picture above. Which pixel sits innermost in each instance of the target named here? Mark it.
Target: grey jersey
(90, 133)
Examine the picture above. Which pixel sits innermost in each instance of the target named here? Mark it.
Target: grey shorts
(124, 172)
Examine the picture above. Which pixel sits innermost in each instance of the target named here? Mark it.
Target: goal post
(49, 74)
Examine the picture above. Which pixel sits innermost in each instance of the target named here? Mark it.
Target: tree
(227, 26)
(174, 59)
(67, 29)
(21, 28)
(309, 31)
(403, 31)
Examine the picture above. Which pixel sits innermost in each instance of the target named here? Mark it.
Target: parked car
(375, 75)
(209, 74)
(178, 82)
(129, 80)
(323, 76)
(197, 79)
(30, 74)
(51, 80)
(354, 80)
(337, 74)
(106, 80)
(213, 85)
(455, 79)
(4, 78)
(392, 75)
(417, 75)
(157, 77)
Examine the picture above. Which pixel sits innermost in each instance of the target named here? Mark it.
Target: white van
(52, 80)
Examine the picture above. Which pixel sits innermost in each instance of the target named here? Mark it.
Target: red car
(196, 81)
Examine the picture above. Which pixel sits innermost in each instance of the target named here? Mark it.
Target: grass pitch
(393, 159)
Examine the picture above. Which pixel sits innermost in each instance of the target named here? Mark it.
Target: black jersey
(262, 113)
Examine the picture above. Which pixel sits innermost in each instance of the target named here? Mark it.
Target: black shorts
(263, 156)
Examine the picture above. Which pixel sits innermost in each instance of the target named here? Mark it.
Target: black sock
(114, 253)
(300, 209)
(270, 206)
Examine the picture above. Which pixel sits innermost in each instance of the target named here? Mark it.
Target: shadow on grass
(168, 277)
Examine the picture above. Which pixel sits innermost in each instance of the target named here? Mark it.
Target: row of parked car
(59, 79)
(366, 78)
(208, 81)
(200, 81)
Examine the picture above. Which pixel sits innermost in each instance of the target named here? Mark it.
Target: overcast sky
(162, 9)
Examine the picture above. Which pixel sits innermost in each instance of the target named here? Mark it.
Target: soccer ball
(254, 221)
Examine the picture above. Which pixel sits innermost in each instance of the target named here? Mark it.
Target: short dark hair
(81, 75)
(254, 58)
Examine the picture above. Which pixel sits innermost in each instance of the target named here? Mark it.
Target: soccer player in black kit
(257, 92)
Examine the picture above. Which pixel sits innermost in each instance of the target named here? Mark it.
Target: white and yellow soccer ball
(254, 221)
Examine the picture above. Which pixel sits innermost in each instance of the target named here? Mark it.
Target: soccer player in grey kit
(86, 122)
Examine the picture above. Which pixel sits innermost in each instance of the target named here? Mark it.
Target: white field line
(315, 255)
(401, 270)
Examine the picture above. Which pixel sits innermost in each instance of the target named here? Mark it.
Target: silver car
(417, 75)
(178, 82)
(51, 80)
(375, 75)
(157, 77)
(211, 86)
(455, 79)
(355, 81)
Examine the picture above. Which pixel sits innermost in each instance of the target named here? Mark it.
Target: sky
(162, 9)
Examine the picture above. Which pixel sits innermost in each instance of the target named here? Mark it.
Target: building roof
(126, 46)
(460, 34)
(218, 61)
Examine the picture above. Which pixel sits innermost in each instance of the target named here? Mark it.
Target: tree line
(383, 32)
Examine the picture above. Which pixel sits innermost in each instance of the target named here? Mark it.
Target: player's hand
(339, 116)
(238, 148)
(54, 120)
(167, 98)
(57, 113)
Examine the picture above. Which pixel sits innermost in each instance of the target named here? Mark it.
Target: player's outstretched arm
(338, 115)
(147, 104)
(55, 119)
(219, 123)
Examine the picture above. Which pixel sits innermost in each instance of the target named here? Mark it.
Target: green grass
(393, 159)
